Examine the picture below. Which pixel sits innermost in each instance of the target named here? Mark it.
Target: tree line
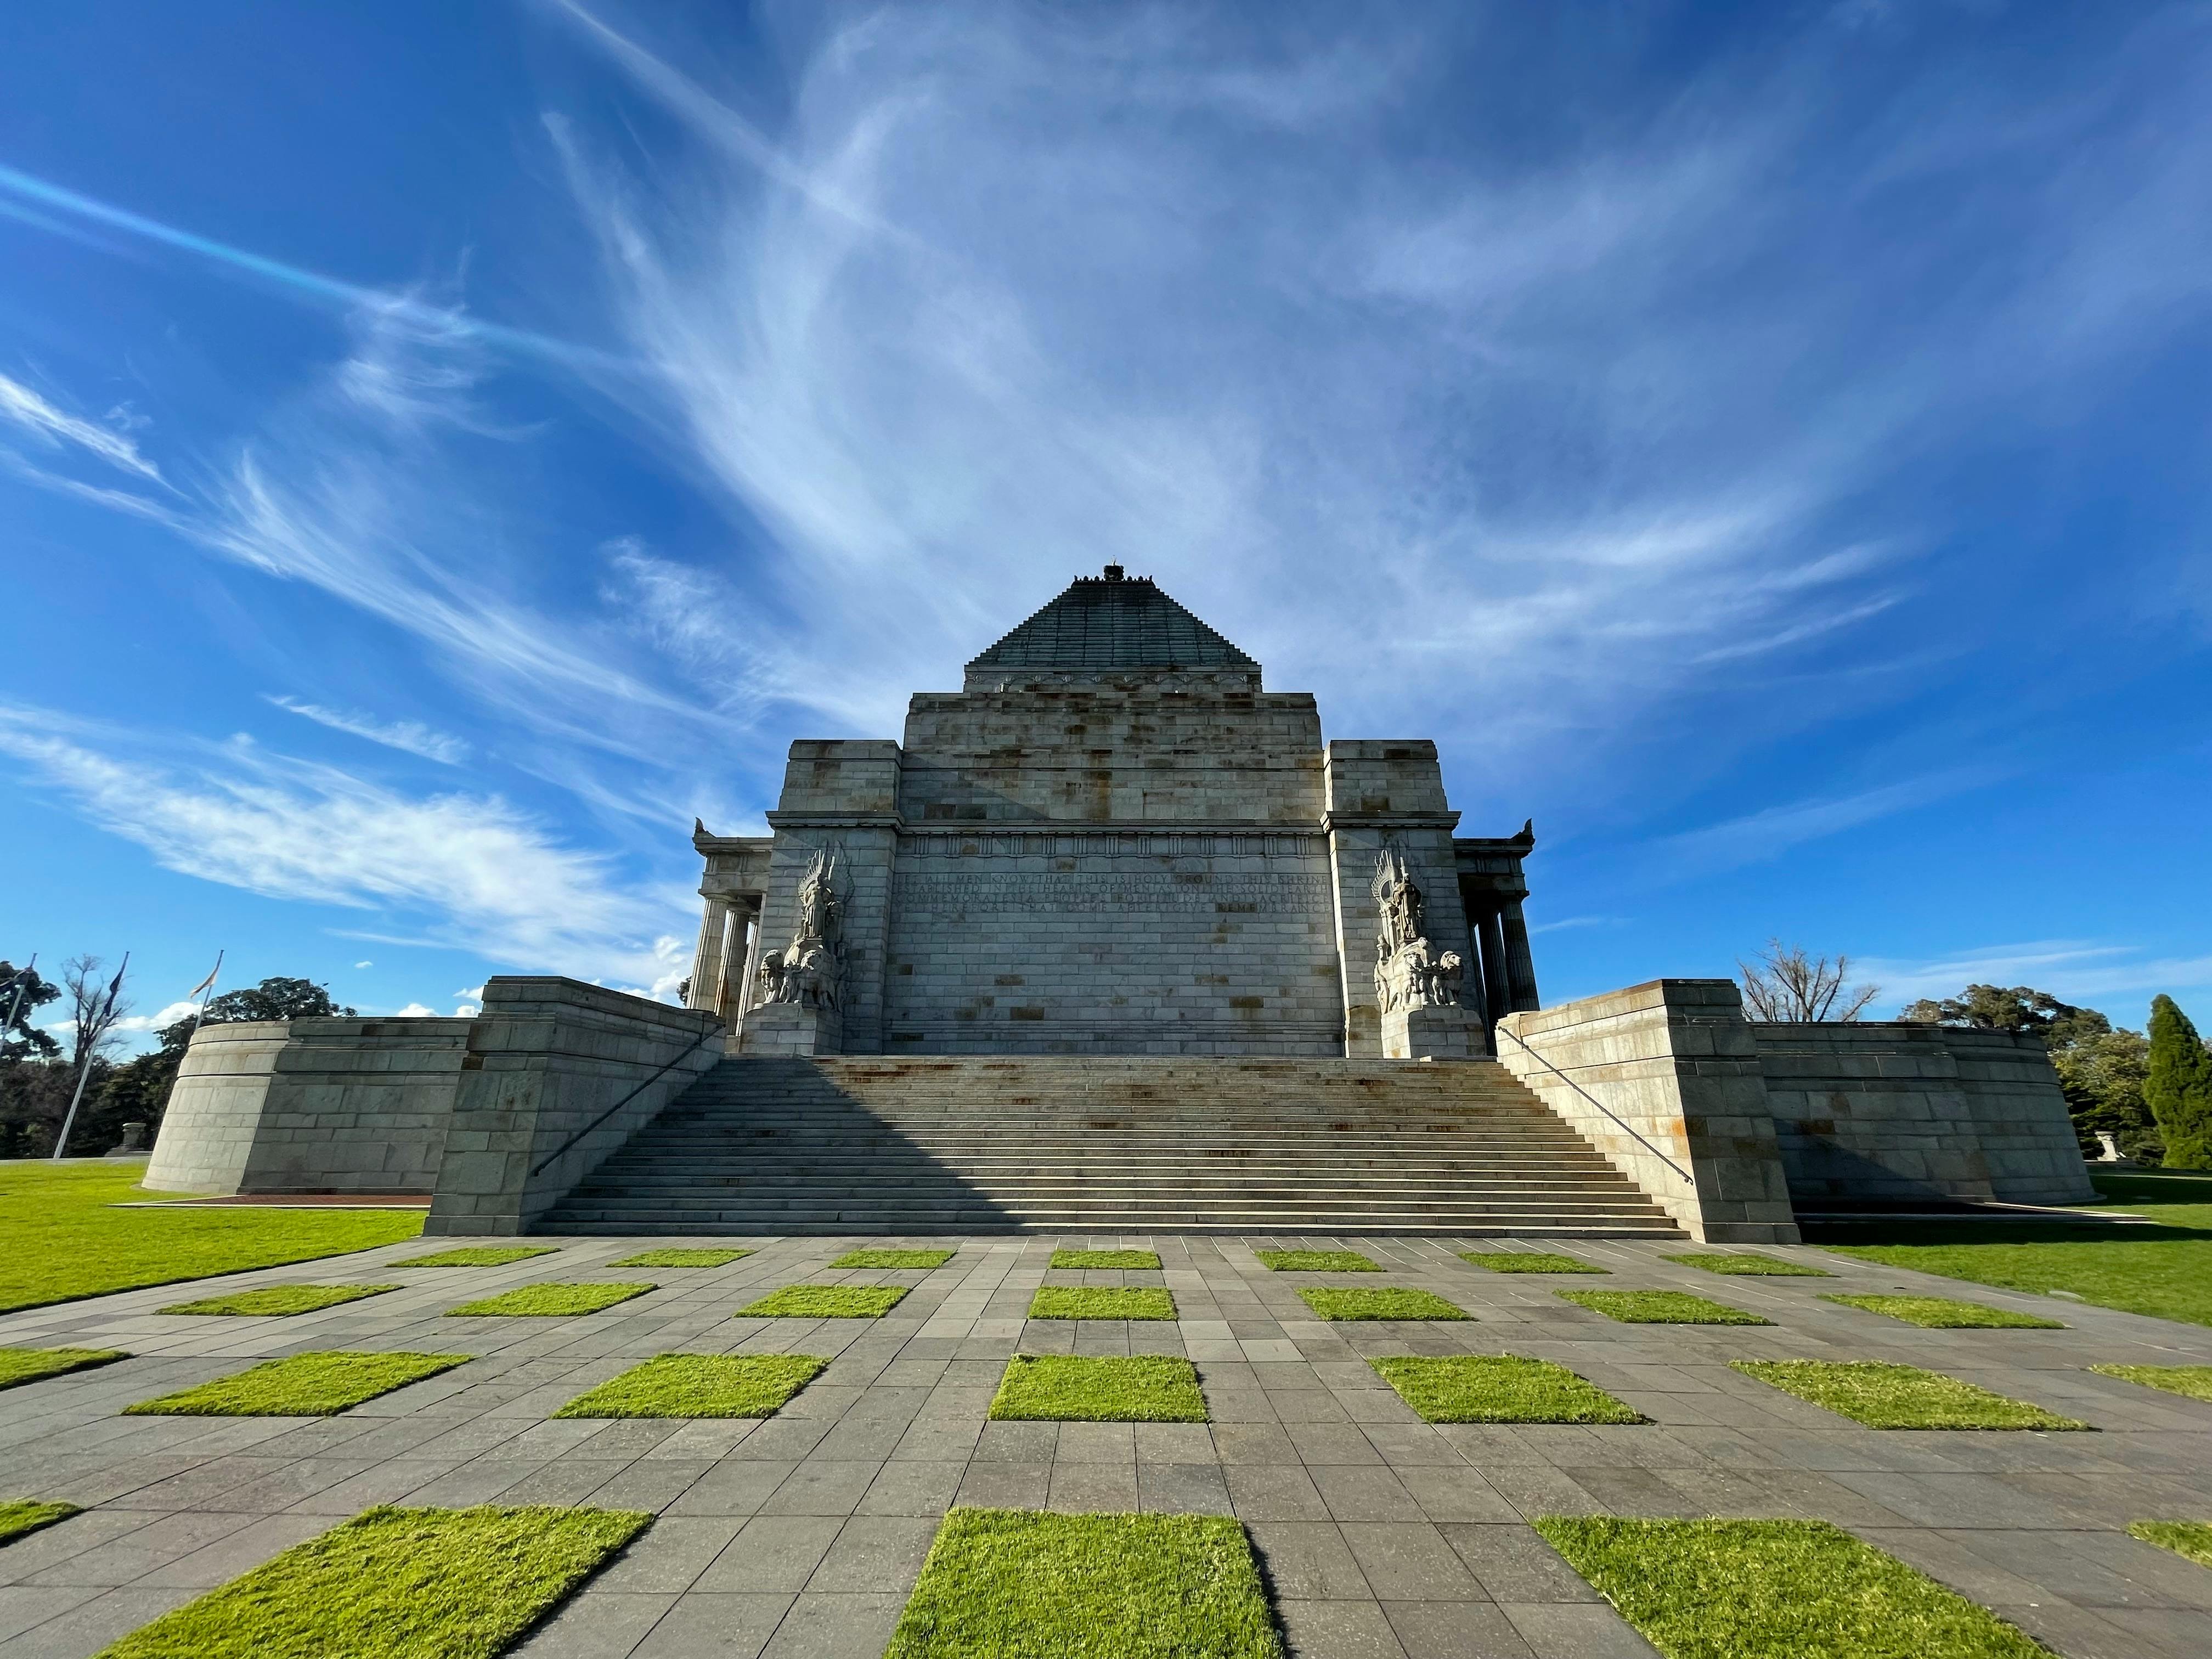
(40, 1072)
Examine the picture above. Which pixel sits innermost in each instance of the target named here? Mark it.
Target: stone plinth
(785, 1028)
(1433, 1034)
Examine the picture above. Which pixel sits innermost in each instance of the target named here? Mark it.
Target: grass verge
(60, 1239)
(549, 1301)
(1775, 1589)
(304, 1385)
(280, 1301)
(1528, 1261)
(1395, 1304)
(19, 1365)
(1659, 1308)
(1006, 1582)
(1879, 1395)
(893, 1257)
(479, 1256)
(699, 1385)
(2165, 1271)
(680, 1259)
(395, 1583)
(2191, 1538)
(1119, 1388)
(1101, 1302)
(1939, 1313)
(1504, 1387)
(1135, 1260)
(2194, 1381)
(1317, 1261)
(1749, 1264)
(825, 1301)
(21, 1516)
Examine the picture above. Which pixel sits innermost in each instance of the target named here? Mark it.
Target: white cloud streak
(2074, 970)
(28, 412)
(411, 737)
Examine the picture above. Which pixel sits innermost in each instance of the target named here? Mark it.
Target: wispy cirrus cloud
(1773, 831)
(2074, 970)
(27, 411)
(411, 737)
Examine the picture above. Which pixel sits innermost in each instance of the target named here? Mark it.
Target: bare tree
(95, 1009)
(1786, 984)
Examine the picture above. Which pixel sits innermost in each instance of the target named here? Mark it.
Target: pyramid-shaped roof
(1112, 624)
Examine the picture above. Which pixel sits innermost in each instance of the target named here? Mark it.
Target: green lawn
(548, 1301)
(1775, 1589)
(1317, 1261)
(24, 1515)
(1749, 1264)
(699, 1385)
(19, 1365)
(825, 1301)
(1001, 1583)
(1354, 1306)
(1939, 1313)
(1114, 1389)
(280, 1301)
(1134, 1260)
(1528, 1261)
(894, 1259)
(2191, 1538)
(304, 1385)
(1659, 1308)
(1101, 1302)
(680, 1259)
(396, 1583)
(2194, 1381)
(1499, 1388)
(479, 1256)
(60, 1239)
(1879, 1395)
(2165, 1271)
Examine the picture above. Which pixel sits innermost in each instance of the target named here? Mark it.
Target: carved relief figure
(1409, 972)
(811, 970)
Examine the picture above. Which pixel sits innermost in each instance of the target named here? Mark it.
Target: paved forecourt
(802, 1534)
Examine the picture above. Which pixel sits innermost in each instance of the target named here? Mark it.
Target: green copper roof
(1112, 621)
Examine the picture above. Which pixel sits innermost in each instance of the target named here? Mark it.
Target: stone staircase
(999, 1143)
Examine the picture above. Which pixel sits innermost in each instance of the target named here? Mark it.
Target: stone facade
(1113, 840)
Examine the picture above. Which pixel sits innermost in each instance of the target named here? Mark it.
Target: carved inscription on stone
(1108, 892)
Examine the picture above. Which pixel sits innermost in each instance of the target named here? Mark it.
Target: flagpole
(207, 989)
(84, 1070)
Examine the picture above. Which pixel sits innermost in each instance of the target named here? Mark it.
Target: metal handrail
(1596, 1102)
(568, 1146)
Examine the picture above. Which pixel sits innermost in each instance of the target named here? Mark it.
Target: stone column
(1520, 964)
(706, 961)
(736, 998)
(1497, 987)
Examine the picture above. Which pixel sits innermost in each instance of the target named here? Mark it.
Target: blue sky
(444, 449)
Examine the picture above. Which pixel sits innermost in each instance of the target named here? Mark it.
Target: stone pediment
(1111, 627)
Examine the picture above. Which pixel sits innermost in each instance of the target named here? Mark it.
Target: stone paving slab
(1381, 1534)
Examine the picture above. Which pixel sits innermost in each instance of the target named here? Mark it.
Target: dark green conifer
(2178, 1090)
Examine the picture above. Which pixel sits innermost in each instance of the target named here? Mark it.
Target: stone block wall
(311, 1106)
(547, 1059)
(1665, 1080)
(1893, 1113)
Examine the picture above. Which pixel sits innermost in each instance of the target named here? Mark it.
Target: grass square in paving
(548, 1301)
(699, 1385)
(19, 1365)
(304, 1385)
(1504, 1387)
(1101, 1302)
(394, 1584)
(1879, 1395)
(479, 1256)
(1134, 1260)
(1659, 1308)
(1941, 1313)
(1775, 1589)
(2191, 1538)
(1317, 1261)
(1749, 1264)
(1115, 1389)
(1528, 1261)
(2194, 1381)
(825, 1301)
(893, 1257)
(280, 1301)
(680, 1259)
(22, 1516)
(1342, 1305)
(1006, 1582)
